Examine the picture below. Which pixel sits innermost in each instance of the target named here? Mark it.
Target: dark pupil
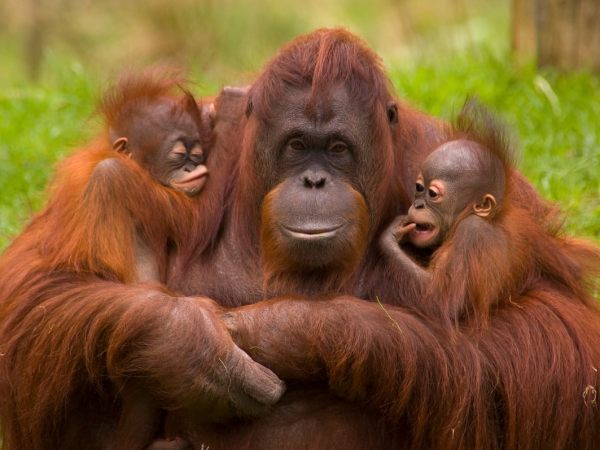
(420, 187)
(432, 193)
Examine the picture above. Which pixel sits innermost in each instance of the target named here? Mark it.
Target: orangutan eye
(196, 154)
(296, 144)
(420, 187)
(178, 150)
(435, 191)
(338, 147)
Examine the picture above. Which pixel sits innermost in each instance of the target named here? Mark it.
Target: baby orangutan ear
(120, 145)
(487, 205)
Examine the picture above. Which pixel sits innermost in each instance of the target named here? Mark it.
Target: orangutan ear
(120, 145)
(209, 113)
(486, 206)
(392, 113)
(249, 108)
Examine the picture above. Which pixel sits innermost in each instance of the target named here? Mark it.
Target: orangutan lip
(311, 233)
(192, 177)
(424, 227)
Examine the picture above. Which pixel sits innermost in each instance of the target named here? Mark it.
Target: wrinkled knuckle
(229, 319)
(235, 326)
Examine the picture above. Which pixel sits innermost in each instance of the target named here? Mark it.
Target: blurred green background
(56, 56)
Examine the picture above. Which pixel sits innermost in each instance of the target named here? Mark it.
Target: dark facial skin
(316, 209)
(450, 182)
(165, 139)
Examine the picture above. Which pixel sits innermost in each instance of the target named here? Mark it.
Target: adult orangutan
(316, 180)
(508, 362)
(84, 361)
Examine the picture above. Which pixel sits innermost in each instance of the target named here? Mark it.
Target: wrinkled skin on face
(315, 214)
(166, 140)
(451, 181)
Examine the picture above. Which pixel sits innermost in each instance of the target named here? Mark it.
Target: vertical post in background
(34, 40)
(523, 31)
(560, 33)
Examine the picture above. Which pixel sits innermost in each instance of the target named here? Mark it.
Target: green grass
(556, 118)
(38, 125)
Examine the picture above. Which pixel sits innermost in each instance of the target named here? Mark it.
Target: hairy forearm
(82, 318)
(366, 351)
(67, 336)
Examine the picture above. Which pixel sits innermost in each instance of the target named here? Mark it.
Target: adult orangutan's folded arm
(77, 337)
(366, 351)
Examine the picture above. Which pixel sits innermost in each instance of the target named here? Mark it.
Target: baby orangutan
(459, 181)
(158, 125)
(459, 192)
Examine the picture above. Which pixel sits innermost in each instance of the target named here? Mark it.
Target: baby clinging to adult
(460, 180)
(460, 192)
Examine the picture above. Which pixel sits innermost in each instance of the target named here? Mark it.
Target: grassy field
(556, 119)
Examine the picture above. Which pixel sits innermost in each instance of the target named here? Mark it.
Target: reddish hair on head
(321, 60)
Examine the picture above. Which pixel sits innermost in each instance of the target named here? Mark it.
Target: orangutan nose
(314, 179)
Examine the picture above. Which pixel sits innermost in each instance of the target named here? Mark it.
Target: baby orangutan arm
(391, 245)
